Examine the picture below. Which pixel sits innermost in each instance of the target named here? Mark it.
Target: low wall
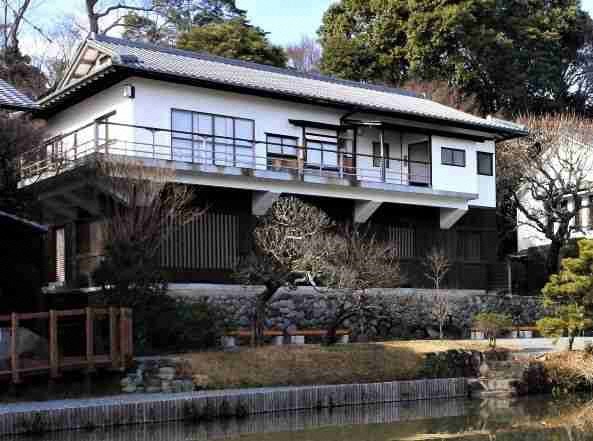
(406, 311)
(203, 406)
(270, 423)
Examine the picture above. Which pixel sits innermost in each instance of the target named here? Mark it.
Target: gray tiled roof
(205, 67)
(10, 98)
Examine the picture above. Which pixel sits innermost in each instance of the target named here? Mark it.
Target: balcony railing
(213, 152)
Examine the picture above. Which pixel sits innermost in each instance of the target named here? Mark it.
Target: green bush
(451, 364)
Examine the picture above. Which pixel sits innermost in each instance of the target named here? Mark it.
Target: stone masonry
(405, 312)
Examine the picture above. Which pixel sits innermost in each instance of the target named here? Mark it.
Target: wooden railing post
(14, 359)
(54, 367)
(113, 342)
(90, 340)
(130, 323)
(122, 337)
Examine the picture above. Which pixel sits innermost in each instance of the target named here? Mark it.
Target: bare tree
(145, 203)
(98, 10)
(545, 174)
(358, 261)
(437, 266)
(18, 133)
(304, 55)
(66, 35)
(288, 248)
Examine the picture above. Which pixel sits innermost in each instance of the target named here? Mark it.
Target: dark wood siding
(208, 242)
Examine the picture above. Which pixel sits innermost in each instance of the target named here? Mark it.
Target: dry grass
(425, 346)
(570, 370)
(302, 365)
(315, 364)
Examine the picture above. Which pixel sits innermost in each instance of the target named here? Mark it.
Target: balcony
(317, 162)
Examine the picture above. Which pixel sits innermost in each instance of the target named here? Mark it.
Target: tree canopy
(234, 38)
(512, 55)
(168, 18)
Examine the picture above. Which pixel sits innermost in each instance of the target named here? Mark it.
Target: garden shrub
(451, 364)
(535, 380)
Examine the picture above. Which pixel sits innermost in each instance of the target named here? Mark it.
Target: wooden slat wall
(210, 241)
(60, 243)
(405, 238)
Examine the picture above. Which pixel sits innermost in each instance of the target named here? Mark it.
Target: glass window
(377, 154)
(182, 137)
(314, 150)
(282, 145)
(485, 164)
(322, 154)
(454, 157)
(204, 138)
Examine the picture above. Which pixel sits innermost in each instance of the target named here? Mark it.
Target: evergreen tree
(569, 296)
(512, 55)
(233, 39)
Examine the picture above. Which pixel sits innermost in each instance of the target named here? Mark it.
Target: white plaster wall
(87, 111)
(155, 99)
(453, 178)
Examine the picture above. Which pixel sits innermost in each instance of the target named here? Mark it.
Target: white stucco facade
(447, 186)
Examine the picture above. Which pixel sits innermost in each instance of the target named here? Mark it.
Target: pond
(534, 419)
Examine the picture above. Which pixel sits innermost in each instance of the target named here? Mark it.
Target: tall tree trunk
(553, 257)
(571, 342)
(93, 18)
(259, 319)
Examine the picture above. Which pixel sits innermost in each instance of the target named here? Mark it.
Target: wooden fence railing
(70, 339)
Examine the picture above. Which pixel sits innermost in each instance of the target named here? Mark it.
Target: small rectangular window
(454, 157)
(377, 154)
(282, 145)
(485, 164)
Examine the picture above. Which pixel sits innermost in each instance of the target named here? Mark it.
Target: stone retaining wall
(204, 406)
(406, 311)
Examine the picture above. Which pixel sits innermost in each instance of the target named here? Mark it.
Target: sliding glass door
(212, 139)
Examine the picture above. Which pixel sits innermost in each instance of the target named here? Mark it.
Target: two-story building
(419, 171)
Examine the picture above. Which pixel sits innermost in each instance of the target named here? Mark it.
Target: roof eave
(127, 71)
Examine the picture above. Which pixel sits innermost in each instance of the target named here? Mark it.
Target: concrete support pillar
(363, 210)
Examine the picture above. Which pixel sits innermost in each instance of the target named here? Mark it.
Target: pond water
(531, 419)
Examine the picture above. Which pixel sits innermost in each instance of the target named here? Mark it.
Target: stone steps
(499, 380)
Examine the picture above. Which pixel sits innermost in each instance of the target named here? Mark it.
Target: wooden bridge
(59, 340)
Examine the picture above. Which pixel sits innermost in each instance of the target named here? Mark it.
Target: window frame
(322, 150)
(282, 145)
(491, 157)
(213, 135)
(386, 156)
(453, 150)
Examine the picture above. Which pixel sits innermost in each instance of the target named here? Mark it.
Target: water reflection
(537, 419)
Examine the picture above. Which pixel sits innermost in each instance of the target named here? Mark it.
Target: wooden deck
(117, 351)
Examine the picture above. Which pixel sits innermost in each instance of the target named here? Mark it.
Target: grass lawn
(315, 364)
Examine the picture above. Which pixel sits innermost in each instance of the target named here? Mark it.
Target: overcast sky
(285, 20)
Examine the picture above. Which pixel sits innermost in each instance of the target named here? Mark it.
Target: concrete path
(536, 346)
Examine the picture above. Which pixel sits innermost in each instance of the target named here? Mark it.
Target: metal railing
(213, 152)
